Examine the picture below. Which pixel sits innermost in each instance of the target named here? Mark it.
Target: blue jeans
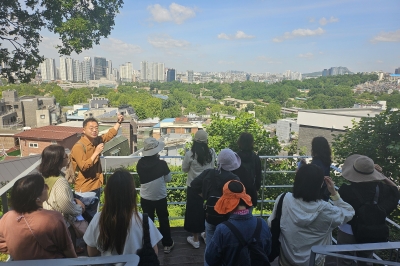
(90, 210)
(210, 229)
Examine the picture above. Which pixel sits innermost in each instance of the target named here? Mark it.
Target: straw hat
(230, 199)
(359, 168)
(152, 146)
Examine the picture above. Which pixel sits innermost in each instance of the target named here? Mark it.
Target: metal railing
(332, 251)
(128, 260)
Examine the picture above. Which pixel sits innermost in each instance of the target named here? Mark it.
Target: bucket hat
(201, 136)
(152, 146)
(228, 160)
(359, 168)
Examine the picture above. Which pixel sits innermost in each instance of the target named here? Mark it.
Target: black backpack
(276, 231)
(250, 251)
(148, 256)
(213, 217)
(369, 223)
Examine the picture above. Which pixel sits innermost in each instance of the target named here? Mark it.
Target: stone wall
(307, 133)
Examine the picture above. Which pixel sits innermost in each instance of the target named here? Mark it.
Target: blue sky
(253, 35)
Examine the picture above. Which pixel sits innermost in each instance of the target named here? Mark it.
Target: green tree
(376, 137)
(79, 24)
(224, 133)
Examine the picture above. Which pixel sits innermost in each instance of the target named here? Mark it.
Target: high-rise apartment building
(154, 72)
(189, 75)
(170, 75)
(116, 74)
(77, 70)
(63, 69)
(48, 69)
(143, 71)
(100, 68)
(70, 68)
(109, 69)
(161, 72)
(397, 71)
(87, 69)
(126, 71)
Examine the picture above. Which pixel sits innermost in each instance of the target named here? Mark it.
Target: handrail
(128, 260)
(329, 250)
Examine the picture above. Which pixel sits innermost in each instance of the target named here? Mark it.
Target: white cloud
(119, 47)
(393, 36)
(175, 13)
(299, 33)
(268, 60)
(306, 55)
(238, 35)
(166, 42)
(323, 21)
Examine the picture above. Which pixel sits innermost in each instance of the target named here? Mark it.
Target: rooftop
(353, 112)
(50, 133)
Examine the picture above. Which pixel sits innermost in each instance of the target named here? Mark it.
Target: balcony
(278, 174)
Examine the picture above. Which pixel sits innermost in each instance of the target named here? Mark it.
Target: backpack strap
(236, 232)
(279, 207)
(257, 232)
(146, 232)
(376, 197)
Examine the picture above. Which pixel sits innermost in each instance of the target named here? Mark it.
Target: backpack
(71, 173)
(369, 223)
(250, 251)
(276, 231)
(147, 255)
(213, 217)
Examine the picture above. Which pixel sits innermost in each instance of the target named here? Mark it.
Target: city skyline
(253, 36)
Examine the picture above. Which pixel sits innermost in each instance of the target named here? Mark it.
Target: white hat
(152, 146)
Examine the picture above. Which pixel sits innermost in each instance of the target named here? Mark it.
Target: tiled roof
(12, 168)
(49, 133)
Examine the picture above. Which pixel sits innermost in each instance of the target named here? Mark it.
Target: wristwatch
(119, 122)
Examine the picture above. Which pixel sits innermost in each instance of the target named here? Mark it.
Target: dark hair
(90, 119)
(119, 206)
(245, 141)
(320, 149)
(25, 192)
(202, 151)
(52, 160)
(307, 183)
(237, 187)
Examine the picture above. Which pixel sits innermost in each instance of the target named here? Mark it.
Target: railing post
(312, 258)
(4, 203)
(263, 187)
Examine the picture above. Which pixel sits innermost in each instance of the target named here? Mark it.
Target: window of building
(42, 116)
(15, 106)
(54, 142)
(172, 130)
(163, 131)
(33, 145)
(188, 130)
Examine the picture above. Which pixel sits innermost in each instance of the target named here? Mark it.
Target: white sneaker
(193, 243)
(203, 235)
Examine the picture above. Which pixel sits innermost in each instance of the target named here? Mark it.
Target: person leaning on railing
(29, 232)
(307, 220)
(366, 180)
(60, 194)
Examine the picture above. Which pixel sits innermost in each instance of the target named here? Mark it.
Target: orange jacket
(90, 176)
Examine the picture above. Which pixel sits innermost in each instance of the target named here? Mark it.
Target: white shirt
(156, 189)
(193, 167)
(134, 239)
(307, 224)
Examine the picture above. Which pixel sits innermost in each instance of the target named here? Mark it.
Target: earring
(37, 199)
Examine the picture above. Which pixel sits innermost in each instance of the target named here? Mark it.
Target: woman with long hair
(249, 171)
(307, 220)
(29, 232)
(60, 198)
(117, 229)
(196, 160)
(322, 157)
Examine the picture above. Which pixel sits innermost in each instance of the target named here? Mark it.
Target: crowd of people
(48, 217)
